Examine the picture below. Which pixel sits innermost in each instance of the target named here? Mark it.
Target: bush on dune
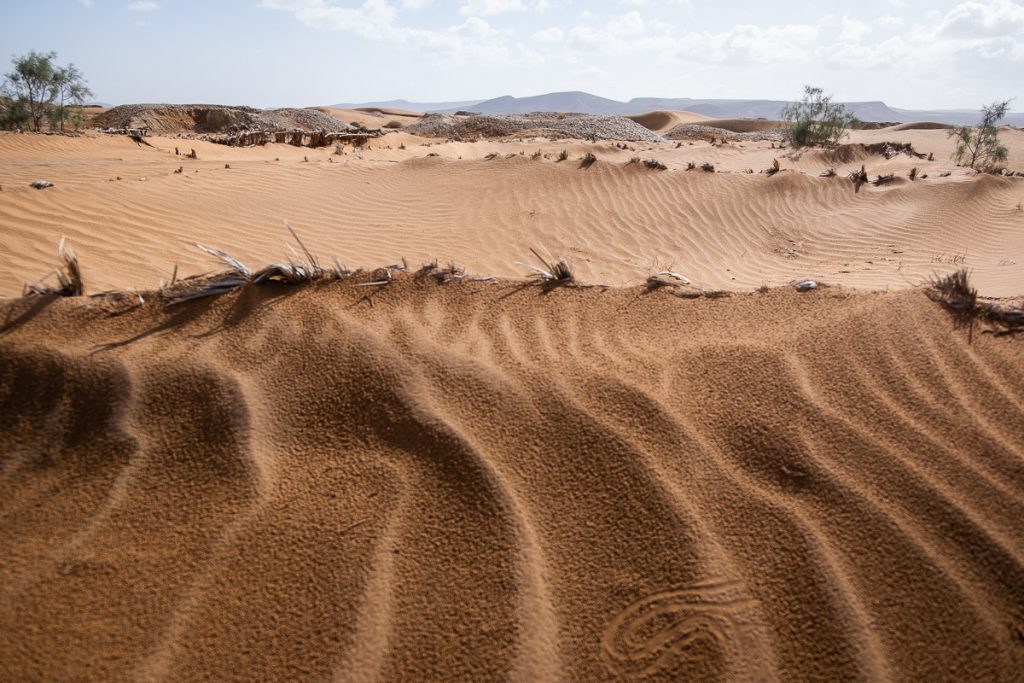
(816, 119)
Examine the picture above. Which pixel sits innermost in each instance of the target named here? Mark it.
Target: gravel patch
(169, 119)
(549, 125)
(695, 131)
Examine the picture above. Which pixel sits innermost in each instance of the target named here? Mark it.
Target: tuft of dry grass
(297, 270)
(588, 161)
(563, 155)
(554, 271)
(69, 280)
(913, 173)
(690, 165)
(884, 180)
(492, 155)
(655, 165)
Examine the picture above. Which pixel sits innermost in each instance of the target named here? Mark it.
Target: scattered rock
(549, 125)
(41, 184)
(170, 119)
(806, 285)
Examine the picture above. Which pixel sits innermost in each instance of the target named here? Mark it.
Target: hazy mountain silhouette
(576, 101)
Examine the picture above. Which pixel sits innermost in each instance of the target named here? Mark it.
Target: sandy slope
(664, 120)
(481, 481)
(372, 118)
(616, 222)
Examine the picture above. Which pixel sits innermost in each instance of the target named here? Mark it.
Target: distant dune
(372, 118)
(664, 121)
(922, 125)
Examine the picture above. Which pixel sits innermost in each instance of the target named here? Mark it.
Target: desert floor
(491, 480)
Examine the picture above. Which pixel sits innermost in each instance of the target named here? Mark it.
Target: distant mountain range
(719, 109)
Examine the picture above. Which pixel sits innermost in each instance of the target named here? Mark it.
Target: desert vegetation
(38, 91)
(978, 146)
(816, 119)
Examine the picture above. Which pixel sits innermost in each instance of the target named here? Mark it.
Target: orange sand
(484, 481)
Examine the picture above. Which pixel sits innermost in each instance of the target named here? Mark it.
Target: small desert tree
(816, 119)
(31, 85)
(980, 146)
(38, 89)
(71, 92)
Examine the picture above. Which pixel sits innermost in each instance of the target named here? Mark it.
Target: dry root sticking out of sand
(955, 293)
(667, 278)
(773, 169)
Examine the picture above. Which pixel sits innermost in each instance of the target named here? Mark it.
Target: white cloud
(486, 8)
(86, 3)
(143, 6)
(853, 30)
(549, 35)
(889, 21)
(473, 39)
(977, 19)
(931, 47)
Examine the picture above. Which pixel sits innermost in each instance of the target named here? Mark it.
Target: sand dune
(743, 125)
(372, 118)
(440, 482)
(665, 120)
(487, 480)
(617, 222)
(922, 125)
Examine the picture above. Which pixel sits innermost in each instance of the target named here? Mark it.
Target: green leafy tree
(39, 90)
(816, 119)
(979, 146)
(71, 91)
(32, 84)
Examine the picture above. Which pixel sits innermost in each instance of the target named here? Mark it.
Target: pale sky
(922, 54)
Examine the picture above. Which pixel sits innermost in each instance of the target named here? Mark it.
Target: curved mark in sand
(715, 618)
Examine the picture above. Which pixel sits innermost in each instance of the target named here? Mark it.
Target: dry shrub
(829, 173)
(655, 165)
(69, 280)
(707, 167)
(955, 293)
(588, 161)
(859, 178)
(554, 272)
(563, 155)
